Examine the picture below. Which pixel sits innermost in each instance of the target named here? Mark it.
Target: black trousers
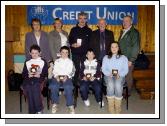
(77, 59)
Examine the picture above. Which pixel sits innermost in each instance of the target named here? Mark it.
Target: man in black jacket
(79, 39)
(101, 40)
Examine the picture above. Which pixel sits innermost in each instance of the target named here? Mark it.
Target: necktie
(102, 41)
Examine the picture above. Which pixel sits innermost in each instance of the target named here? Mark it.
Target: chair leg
(75, 96)
(101, 98)
(48, 100)
(20, 92)
(103, 90)
(127, 98)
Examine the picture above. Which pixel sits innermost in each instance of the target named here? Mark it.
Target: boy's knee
(83, 88)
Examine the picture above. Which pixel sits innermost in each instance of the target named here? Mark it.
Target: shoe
(111, 104)
(118, 104)
(71, 109)
(40, 112)
(54, 108)
(60, 93)
(87, 102)
(101, 104)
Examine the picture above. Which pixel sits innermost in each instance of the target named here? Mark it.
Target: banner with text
(69, 13)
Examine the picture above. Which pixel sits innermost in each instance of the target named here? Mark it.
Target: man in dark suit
(101, 40)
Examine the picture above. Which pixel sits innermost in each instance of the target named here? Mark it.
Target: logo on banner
(40, 12)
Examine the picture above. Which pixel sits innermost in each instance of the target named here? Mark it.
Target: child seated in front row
(34, 72)
(62, 74)
(115, 68)
(90, 74)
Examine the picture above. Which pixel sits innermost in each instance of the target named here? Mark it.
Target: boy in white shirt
(63, 71)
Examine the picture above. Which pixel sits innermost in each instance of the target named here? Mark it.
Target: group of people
(81, 58)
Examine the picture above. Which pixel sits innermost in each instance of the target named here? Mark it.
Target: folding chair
(21, 93)
(125, 87)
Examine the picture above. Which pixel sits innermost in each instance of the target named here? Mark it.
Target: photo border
(100, 116)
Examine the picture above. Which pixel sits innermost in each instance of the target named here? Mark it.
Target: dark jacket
(44, 45)
(130, 44)
(95, 41)
(83, 33)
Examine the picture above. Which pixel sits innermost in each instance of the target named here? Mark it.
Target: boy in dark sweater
(90, 74)
(34, 72)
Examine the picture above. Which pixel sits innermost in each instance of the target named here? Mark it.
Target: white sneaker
(71, 109)
(54, 108)
(60, 93)
(102, 103)
(87, 102)
(40, 112)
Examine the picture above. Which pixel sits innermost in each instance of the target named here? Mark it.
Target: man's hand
(129, 63)
(75, 45)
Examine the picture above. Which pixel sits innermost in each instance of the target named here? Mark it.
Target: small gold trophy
(88, 76)
(114, 72)
(61, 78)
(34, 68)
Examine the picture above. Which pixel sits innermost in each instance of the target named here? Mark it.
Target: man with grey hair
(129, 41)
(101, 39)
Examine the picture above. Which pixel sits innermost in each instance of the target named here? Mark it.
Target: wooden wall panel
(8, 56)
(16, 15)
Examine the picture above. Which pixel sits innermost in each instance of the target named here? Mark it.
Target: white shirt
(37, 38)
(63, 67)
(63, 39)
(90, 67)
(125, 31)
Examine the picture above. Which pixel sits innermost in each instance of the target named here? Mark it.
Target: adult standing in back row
(101, 40)
(129, 41)
(37, 37)
(57, 38)
(79, 39)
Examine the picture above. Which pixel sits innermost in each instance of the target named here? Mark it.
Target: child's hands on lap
(84, 78)
(92, 78)
(57, 78)
(37, 75)
(30, 75)
(65, 78)
(117, 77)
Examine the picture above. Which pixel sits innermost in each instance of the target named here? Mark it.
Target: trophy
(61, 78)
(34, 68)
(79, 42)
(88, 76)
(114, 72)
